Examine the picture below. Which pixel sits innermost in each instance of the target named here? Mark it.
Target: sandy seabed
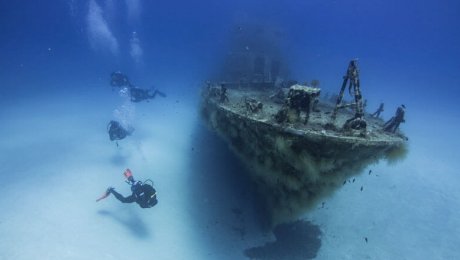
(56, 159)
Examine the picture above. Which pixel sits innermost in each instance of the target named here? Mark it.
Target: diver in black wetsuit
(139, 94)
(118, 79)
(142, 193)
(117, 131)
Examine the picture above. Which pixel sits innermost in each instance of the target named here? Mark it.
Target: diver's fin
(129, 176)
(128, 173)
(160, 93)
(105, 195)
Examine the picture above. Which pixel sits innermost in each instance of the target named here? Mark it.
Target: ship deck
(317, 126)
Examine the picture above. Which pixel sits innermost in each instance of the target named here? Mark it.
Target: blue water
(56, 159)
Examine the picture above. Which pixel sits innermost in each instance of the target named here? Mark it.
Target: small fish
(322, 205)
(370, 171)
(353, 179)
(361, 188)
(365, 239)
(345, 181)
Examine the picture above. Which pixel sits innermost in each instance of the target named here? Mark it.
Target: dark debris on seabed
(298, 240)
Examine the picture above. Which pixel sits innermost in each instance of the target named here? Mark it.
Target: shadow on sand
(296, 241)
(118, 159)
(131, 221)
(231, 208)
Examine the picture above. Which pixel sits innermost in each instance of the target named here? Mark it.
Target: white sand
(56, 159)
(410, 210)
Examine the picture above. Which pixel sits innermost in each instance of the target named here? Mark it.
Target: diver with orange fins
(143, 193)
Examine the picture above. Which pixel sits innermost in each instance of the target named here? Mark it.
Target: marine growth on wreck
(298, 147)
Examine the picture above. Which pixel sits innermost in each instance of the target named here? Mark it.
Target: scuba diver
(139, 94)
(118, 79)
(117, 131)
(143, 193)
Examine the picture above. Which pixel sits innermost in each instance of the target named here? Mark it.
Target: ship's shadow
(222, 193)
(296, 240)
(219, 179)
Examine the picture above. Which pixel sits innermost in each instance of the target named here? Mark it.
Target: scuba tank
(142, 190)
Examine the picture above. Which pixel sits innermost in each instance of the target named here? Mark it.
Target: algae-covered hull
(295, 164)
